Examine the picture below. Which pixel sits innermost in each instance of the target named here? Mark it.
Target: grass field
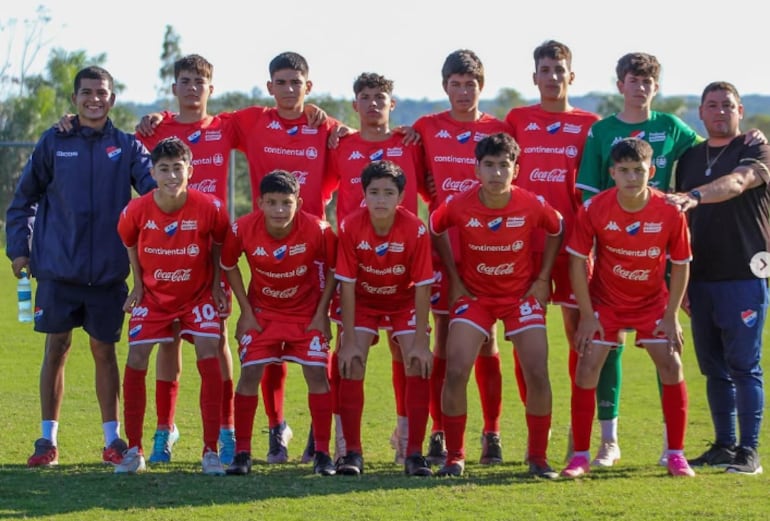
(82, 489)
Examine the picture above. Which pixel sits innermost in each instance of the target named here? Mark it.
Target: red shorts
(483, 312)
(283, 341)
(150, 326)
(643, 322)
(335, 315)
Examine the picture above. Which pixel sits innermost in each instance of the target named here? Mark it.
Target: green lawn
(80, 488)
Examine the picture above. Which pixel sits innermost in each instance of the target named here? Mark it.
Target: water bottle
(24, 293)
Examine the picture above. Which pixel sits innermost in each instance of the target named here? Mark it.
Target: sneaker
(416, 465)
(716, 456)
(113, 453)
(212, 466)
(280, 437)
(162, 442)
(608, 454)
(308, 454)
(351, 464)
(455, 469)
(132, 463)
(678, 466)
(398, 443)
(241, 464)
(226, 444)
(323, 465)
(491, 450)
(577, 466)
(746, 462)
(46, 454)
(436, 449)
(541, 469)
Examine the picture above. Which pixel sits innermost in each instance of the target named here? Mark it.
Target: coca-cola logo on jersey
(502, 269)
(208, 186)
(283, 294)
(557, 175)
(181, 275)
(638, 275)
(463, 185)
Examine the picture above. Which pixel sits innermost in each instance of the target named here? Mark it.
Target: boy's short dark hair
(279, 182)
(383, 170)
(372, 80)
(463, 61)
(289, 60)
(172, 148)
(93, 72)
(638, 64)
(194, 63)
(631, 149)
(496, 144)
(720, 85)
(553, 50)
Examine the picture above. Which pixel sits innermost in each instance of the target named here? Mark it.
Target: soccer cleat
(417, 465)
(133, 462)
(663, 460)
(746, 462)
(280, 436)
(576, 467)
(351, 464)
(162, 443)
(399, 443)
(309, 453)
(455, 469)
(491, 450)
(436, 449)
(46, 454)
(608, 454)
(678, 466)
(226, 445)
(717, 455)
(212, 466)
(323, 465)
(241, 464)
(541, 469)
(113, 453)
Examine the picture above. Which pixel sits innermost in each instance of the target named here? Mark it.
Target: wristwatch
(695, 194)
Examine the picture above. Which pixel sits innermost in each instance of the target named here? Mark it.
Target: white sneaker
(608, 454)
(133, 462)
(211, 464)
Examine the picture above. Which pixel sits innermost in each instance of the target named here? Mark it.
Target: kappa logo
(259, 252)
(443, 134)
(363, 245)
(171, 228)
(150, 225)
(473, 223)
(355, 155)
(532, 127)
(749, 317)
(612, 226)
(274, 125)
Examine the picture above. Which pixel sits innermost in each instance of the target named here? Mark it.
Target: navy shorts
(61, 307)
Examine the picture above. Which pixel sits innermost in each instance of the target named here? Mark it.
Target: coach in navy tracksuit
(74, 186)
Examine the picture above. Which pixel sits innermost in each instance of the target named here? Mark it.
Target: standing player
(449, 139)
(384, 269)
(174, 237)
(284, 316)
(631, 230)
(496, 280)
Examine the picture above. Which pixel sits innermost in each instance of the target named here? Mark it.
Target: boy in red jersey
(384, 269)
(449, 139)
(173, 236)
(496, 280)
(632, 230)
(284, 316)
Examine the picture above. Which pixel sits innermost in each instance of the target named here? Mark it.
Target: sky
(405, 40)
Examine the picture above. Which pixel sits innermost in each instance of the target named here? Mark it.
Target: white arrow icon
(760, 265)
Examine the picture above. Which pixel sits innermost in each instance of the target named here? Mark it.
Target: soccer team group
(508, 232)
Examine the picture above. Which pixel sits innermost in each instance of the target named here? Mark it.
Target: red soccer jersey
(347, 161)
(551, 149)
(630, 248)
(174, 249)
(271, 142)
(496, 243)
(288, 274)
(210, 142)
(386, 269)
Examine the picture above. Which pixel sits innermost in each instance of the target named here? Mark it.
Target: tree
(505, 100)
(33, 42)
(171, 53)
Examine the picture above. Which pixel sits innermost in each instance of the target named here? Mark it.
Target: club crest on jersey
(381, 249)
(638, 134)
(194, 137)
(280, 253)
(134, 331)
(434, 297)
(114, 153)
(553, 128)
(464, 137)
(293, 130)
(376, 156)
(494, 224)
(171, 229)
(633, 228)
(462, 308)
(749, 317)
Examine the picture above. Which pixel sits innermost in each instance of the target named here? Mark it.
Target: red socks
(134, 405)
(675, 412)
(245, 409)
(489, 379)
(417, 408)
(320, 406)
(273, 384)
(351, 405)
(210, 401)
